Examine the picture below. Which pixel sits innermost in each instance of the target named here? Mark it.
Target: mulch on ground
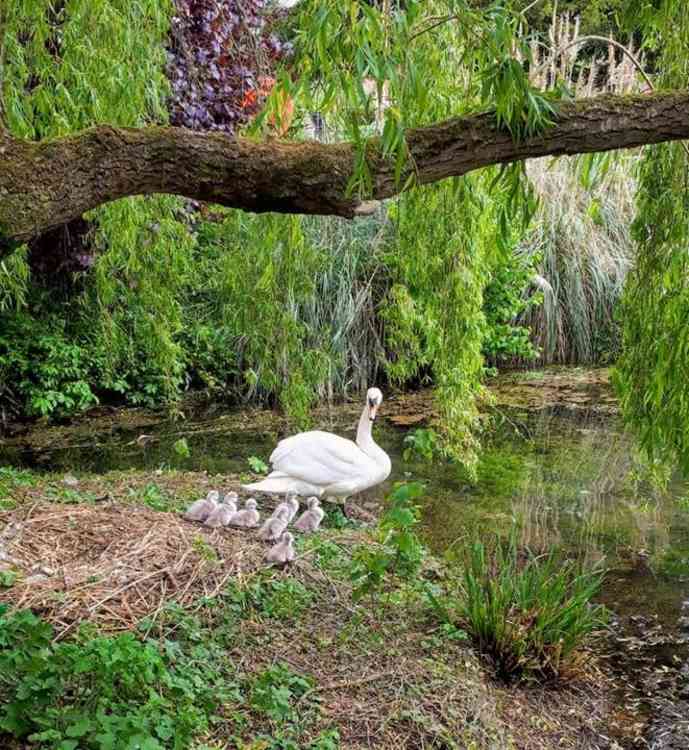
(115, 564)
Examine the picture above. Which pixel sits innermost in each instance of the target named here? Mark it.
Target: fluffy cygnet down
(248, 517)
(272, 529)
(283, 552)
(201, 509)
(310, 520)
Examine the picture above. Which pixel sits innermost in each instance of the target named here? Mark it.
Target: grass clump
(531, 617)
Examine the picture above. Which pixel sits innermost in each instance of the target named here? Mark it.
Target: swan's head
(287, 537)
(374, 398)
(213, 495)
(250, 504)
(312, 502)
(282, 513)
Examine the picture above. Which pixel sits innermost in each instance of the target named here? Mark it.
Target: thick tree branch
(43, 185)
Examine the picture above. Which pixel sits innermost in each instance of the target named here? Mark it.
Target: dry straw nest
(115, 564)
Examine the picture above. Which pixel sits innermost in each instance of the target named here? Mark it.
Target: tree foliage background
(150, 297)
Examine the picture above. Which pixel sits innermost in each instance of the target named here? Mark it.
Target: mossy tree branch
(43, 185)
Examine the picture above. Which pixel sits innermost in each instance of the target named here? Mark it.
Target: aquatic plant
(529, 615)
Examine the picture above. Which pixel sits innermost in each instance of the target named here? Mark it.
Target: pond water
(567, 476)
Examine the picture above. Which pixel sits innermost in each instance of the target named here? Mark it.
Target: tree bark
(43, 185)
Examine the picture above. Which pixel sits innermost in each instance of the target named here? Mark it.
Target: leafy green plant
(49, 373)
(507, 297)
(399, 553)
(100, 694)
(181, 448)
(153, 496)
(258, 465)
(8, 578)
(274, 599)
(529, 616)
(205, 550)
(423, 444)
(275, 691)
(10, 478)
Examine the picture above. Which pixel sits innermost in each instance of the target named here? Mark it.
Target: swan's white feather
(318, 463)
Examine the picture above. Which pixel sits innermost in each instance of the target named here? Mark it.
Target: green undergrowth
(163, 686)
(10, 480)
(280, 660)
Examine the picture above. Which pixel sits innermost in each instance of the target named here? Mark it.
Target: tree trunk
(43, 185)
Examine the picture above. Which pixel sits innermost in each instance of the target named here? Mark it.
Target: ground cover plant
(276, 659)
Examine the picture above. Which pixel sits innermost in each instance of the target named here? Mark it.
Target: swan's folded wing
(319, 458)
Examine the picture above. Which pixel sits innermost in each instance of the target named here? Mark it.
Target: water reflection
(572, 482)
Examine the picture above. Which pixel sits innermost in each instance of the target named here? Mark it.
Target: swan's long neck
(363, 433)
(365, 441)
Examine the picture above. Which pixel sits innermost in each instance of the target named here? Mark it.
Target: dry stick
(194, 576)
(159, 609)
(112, 594)
(125, 604)
(346, 684)
(60, 514)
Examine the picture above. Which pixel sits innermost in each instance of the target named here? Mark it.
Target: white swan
(320, 463)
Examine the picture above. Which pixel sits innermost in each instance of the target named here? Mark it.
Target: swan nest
(114, 564)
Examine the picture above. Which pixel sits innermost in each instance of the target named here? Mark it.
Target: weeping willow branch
(43, 185)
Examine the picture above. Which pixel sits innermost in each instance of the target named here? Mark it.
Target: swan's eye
(371, 402)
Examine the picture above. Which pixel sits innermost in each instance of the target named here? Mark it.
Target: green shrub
(275, 690)
(45, 371)
(100, 694)
(508, 296)
(272, 599)
(399, 552)
(530, 616)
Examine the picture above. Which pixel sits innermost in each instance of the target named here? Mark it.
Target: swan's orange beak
(372, 410)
